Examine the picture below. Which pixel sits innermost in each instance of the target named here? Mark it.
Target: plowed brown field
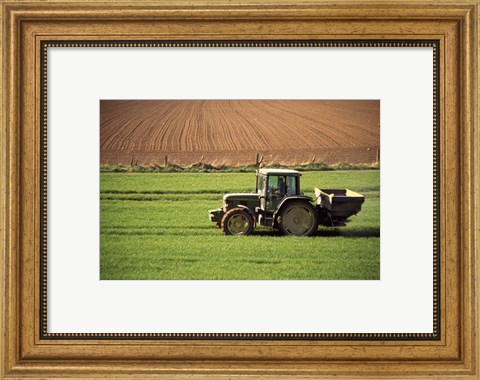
(231, 132)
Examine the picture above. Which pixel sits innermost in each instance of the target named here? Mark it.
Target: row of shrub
(207, 168)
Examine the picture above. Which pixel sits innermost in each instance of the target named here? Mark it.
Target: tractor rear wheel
(237, 221)
(298, 219)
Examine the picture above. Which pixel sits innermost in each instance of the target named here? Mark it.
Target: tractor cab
(273, 187)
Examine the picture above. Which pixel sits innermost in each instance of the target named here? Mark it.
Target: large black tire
(297, 218)
(237, 221)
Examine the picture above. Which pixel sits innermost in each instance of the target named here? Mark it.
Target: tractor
(278, 203)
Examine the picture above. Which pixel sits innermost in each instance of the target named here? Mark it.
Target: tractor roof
(278, 172)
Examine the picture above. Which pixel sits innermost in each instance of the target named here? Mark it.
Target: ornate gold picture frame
(29, 29)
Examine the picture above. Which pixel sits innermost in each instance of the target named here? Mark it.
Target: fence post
(258, 160)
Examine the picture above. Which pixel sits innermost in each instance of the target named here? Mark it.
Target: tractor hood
(249, 200)
(240, 197)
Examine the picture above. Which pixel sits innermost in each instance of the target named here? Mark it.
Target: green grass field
(155, 226)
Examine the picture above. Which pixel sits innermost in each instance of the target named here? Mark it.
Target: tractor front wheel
(237, 221)
(298, 219)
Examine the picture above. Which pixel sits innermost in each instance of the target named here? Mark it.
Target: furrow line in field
(147, 130)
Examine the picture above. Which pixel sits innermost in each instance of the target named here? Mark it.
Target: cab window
(291, 185)
(282, 185)
(277, 185)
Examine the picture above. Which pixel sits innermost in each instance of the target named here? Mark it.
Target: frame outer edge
(9, 205)
(186, 10)
(475, 124)
(3, 205)
(470, 188)
(10, 327)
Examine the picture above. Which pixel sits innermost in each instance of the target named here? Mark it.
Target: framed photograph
(268, 189)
